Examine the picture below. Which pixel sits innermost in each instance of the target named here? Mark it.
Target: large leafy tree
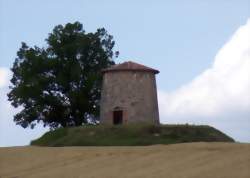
(59, 85)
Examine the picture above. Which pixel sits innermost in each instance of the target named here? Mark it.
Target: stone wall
(133, 92)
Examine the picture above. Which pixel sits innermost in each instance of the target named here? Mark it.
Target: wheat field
(188, 160)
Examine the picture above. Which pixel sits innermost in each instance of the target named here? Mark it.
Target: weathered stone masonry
(129, 95)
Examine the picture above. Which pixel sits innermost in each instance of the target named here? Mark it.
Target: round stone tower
(129, 95)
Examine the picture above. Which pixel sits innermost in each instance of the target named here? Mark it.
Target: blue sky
(179, 38)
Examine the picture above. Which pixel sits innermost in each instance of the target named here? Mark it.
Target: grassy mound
(136, 135)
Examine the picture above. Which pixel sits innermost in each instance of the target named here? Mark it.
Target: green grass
(132, 135)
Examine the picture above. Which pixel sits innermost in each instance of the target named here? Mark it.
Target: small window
(117, 117)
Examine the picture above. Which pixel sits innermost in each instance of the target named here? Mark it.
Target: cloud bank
(221, 94)
(4, 77)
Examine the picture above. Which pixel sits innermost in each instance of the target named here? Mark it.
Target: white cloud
(4, 76)
(221, 92)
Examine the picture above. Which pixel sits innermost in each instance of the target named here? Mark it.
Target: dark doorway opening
(117, 117)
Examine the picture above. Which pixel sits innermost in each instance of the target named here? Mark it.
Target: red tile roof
(130, 66)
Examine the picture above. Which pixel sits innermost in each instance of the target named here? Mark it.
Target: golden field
(187, 160)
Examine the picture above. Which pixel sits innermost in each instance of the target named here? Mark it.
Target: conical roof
(130, 66)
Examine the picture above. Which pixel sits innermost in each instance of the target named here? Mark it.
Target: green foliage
(60, 85)
(133, 135)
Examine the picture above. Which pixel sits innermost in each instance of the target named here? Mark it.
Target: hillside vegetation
(132, 135)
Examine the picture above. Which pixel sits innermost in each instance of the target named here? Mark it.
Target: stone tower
(129, 95)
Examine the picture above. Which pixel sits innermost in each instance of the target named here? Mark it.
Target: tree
(60, 84)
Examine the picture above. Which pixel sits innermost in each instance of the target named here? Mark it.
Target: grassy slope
(130, 135)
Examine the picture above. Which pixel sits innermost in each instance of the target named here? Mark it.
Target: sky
(201, 49)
